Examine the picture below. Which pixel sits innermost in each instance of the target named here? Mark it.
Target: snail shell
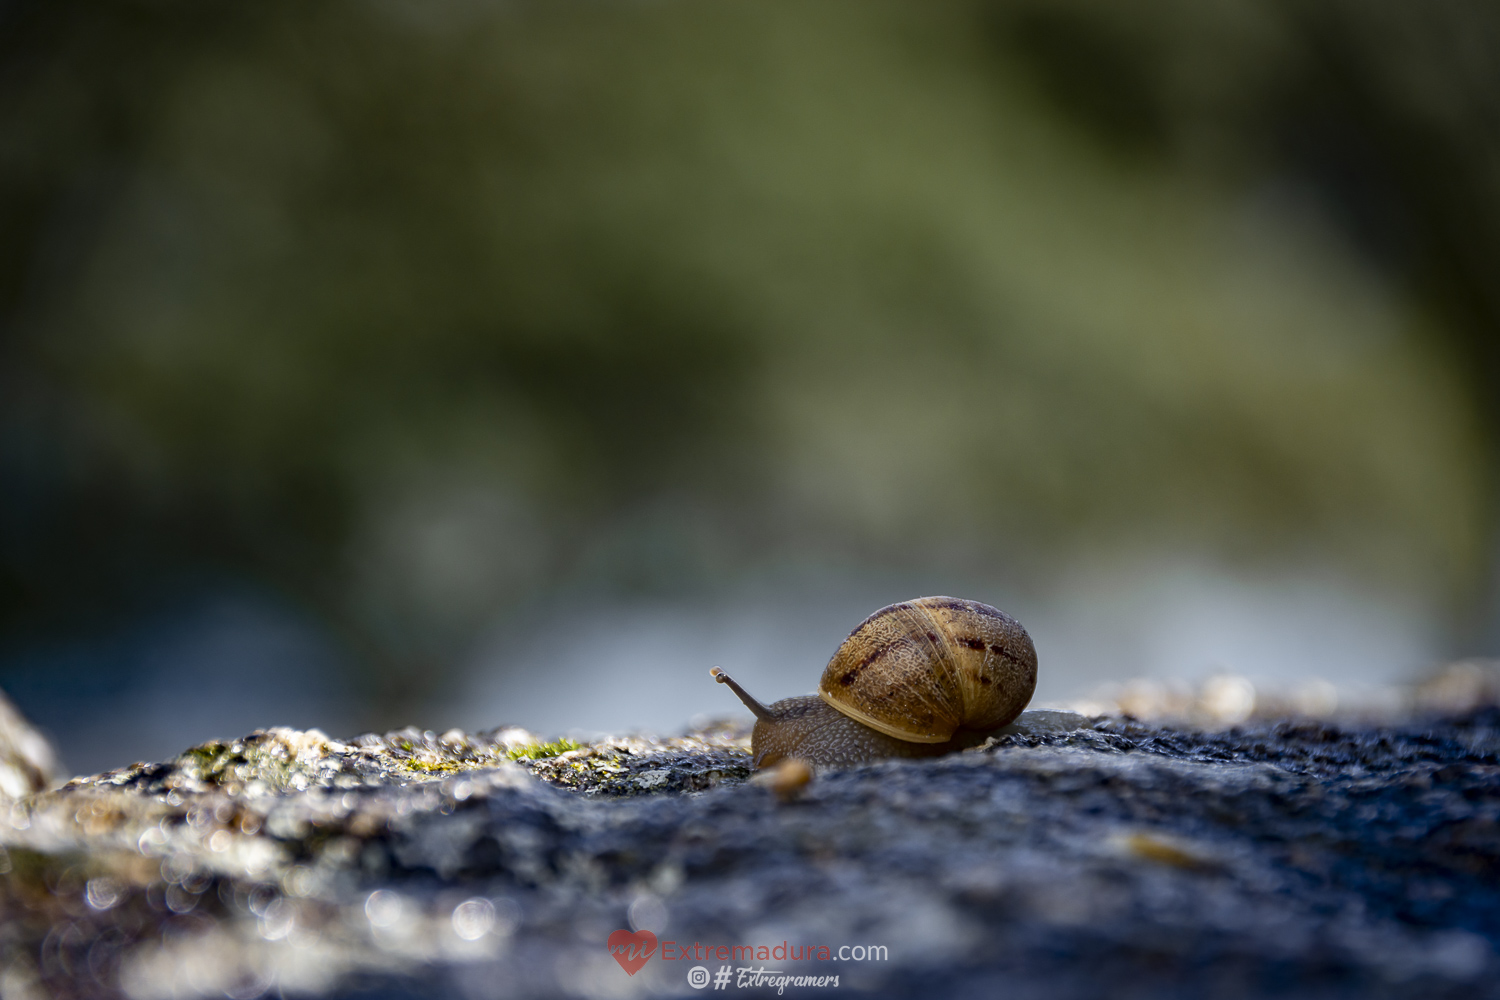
(922, 670)
(915, 679)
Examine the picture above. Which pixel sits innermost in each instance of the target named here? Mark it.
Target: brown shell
(923, 669)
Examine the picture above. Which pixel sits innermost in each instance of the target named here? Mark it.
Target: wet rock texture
(1069, 857)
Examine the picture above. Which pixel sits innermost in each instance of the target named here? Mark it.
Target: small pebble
(787, 779)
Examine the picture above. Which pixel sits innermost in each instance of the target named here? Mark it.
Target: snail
(916, 679)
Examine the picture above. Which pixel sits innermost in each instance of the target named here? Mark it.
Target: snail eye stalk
(760, 711)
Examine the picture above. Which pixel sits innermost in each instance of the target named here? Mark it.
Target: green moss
(536, 751)
(433, 766)
(214, 762)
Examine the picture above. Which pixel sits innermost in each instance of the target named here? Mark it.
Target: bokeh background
(467, 362)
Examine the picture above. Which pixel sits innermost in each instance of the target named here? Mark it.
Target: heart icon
(632, 950)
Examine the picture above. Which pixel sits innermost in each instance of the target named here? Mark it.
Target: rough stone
(1067, 856)
(27, 762)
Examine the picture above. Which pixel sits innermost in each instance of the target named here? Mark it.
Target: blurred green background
(436, 361)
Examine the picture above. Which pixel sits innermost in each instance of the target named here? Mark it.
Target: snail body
(915, 679)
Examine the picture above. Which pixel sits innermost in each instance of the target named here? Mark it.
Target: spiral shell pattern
(921, 670)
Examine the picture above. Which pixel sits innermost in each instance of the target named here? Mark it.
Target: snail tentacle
(760, 711)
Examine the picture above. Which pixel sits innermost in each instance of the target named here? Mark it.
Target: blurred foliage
(416, 308)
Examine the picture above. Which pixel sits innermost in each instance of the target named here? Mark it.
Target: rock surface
(1067, 857)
